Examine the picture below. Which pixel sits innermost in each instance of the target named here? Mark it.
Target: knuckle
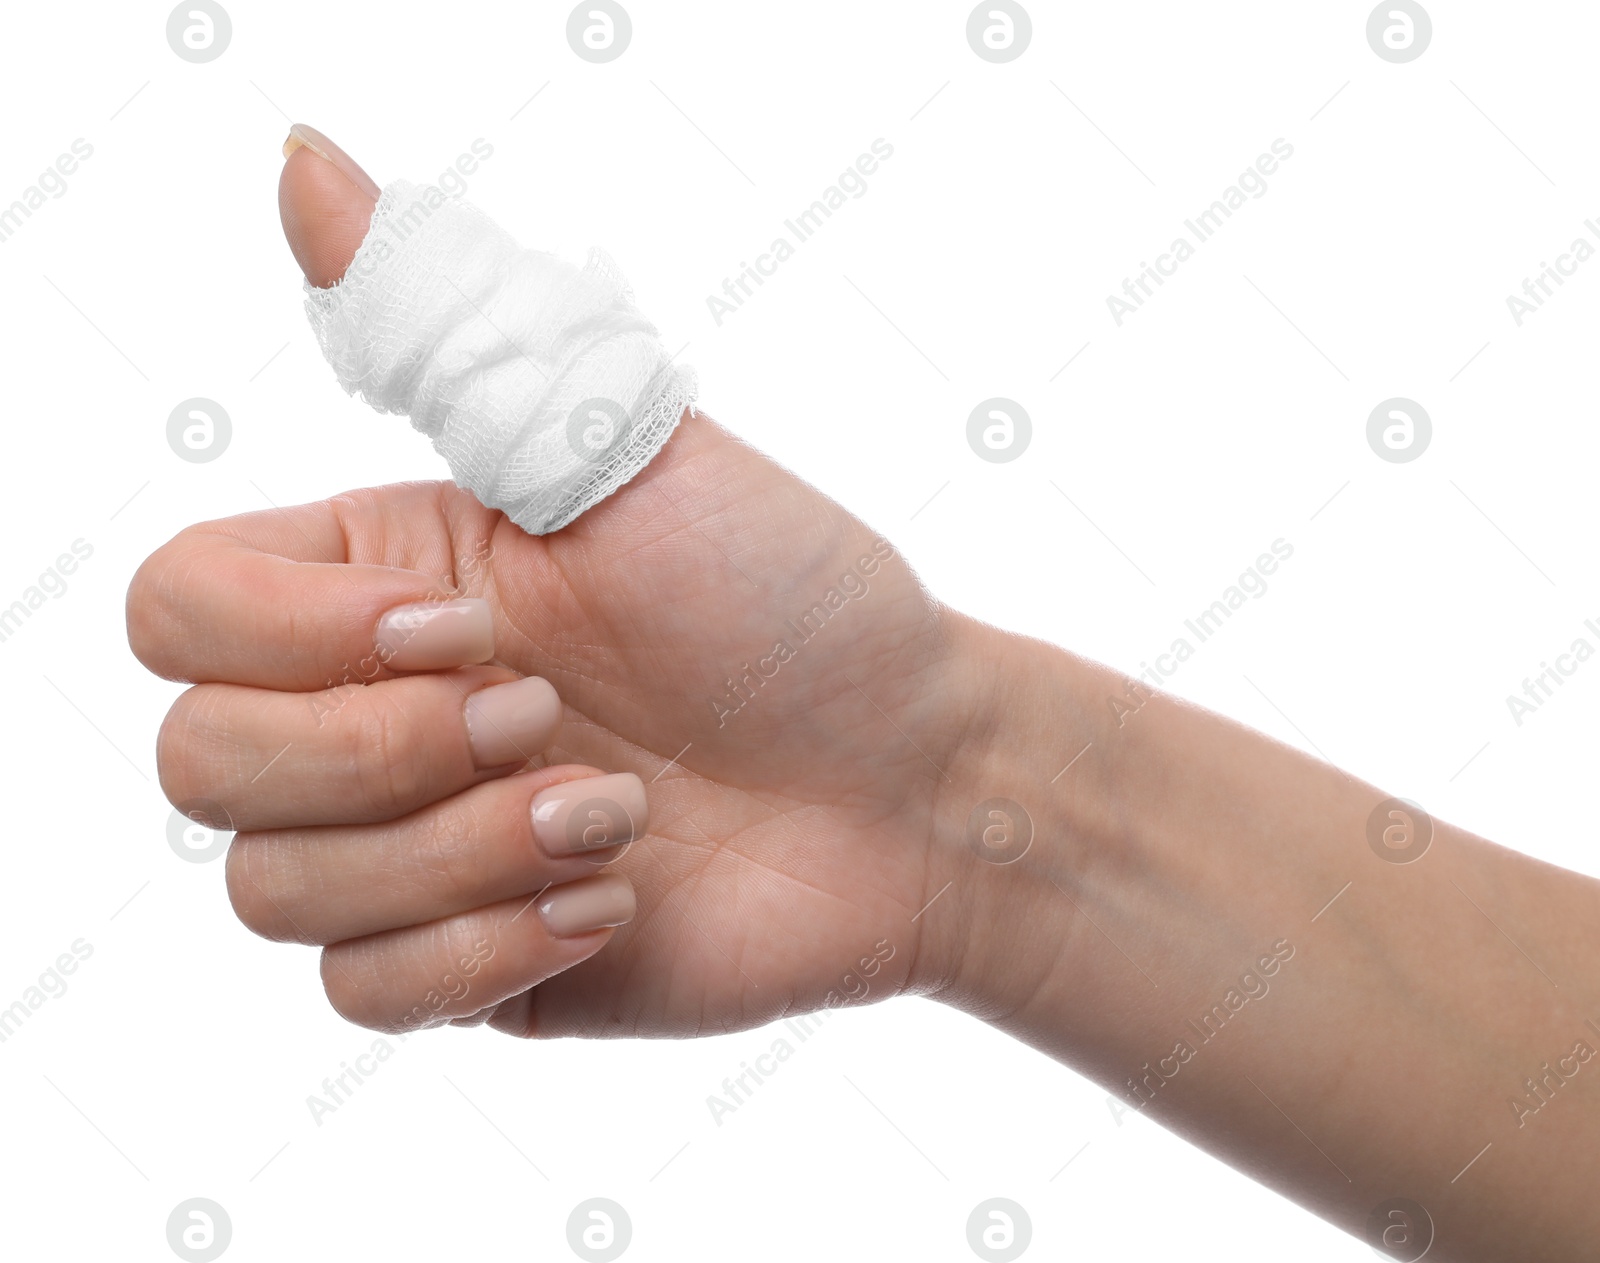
(388, 757)
(302, 636)
(467, 946)
(448, 855)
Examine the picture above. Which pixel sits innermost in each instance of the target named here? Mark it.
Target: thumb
(325, 201)
(540, 475)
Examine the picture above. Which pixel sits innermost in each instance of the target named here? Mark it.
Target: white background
(1208, 425)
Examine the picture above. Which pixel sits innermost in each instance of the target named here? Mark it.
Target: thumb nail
(325, 201)
(317, 143)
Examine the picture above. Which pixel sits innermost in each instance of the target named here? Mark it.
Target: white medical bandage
(539, 382)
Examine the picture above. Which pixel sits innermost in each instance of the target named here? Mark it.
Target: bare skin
(1190, 884)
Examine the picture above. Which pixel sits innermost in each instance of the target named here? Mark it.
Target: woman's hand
(771, 674)
(1217, 928)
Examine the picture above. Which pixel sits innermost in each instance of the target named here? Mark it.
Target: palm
(777, 856)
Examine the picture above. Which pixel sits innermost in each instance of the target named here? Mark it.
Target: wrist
(1012, 819)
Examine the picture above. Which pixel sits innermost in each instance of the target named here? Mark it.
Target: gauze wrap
(539, 382)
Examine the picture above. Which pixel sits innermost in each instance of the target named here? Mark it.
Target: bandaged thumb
(537, 380)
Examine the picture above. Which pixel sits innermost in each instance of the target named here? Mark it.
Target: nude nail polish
(587, 815)
(594, 903)
(317, 143)
(510, 723)
(432, 635)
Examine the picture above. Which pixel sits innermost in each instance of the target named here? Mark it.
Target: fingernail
(591, 904)
(510, 723)
(586, 815)
(317, 143)
(431, 635)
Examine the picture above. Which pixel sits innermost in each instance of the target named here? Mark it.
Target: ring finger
(507, 838)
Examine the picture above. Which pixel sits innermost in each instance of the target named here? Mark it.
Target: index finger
(281, 599)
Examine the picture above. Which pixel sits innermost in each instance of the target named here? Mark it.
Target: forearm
(1202, 925)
